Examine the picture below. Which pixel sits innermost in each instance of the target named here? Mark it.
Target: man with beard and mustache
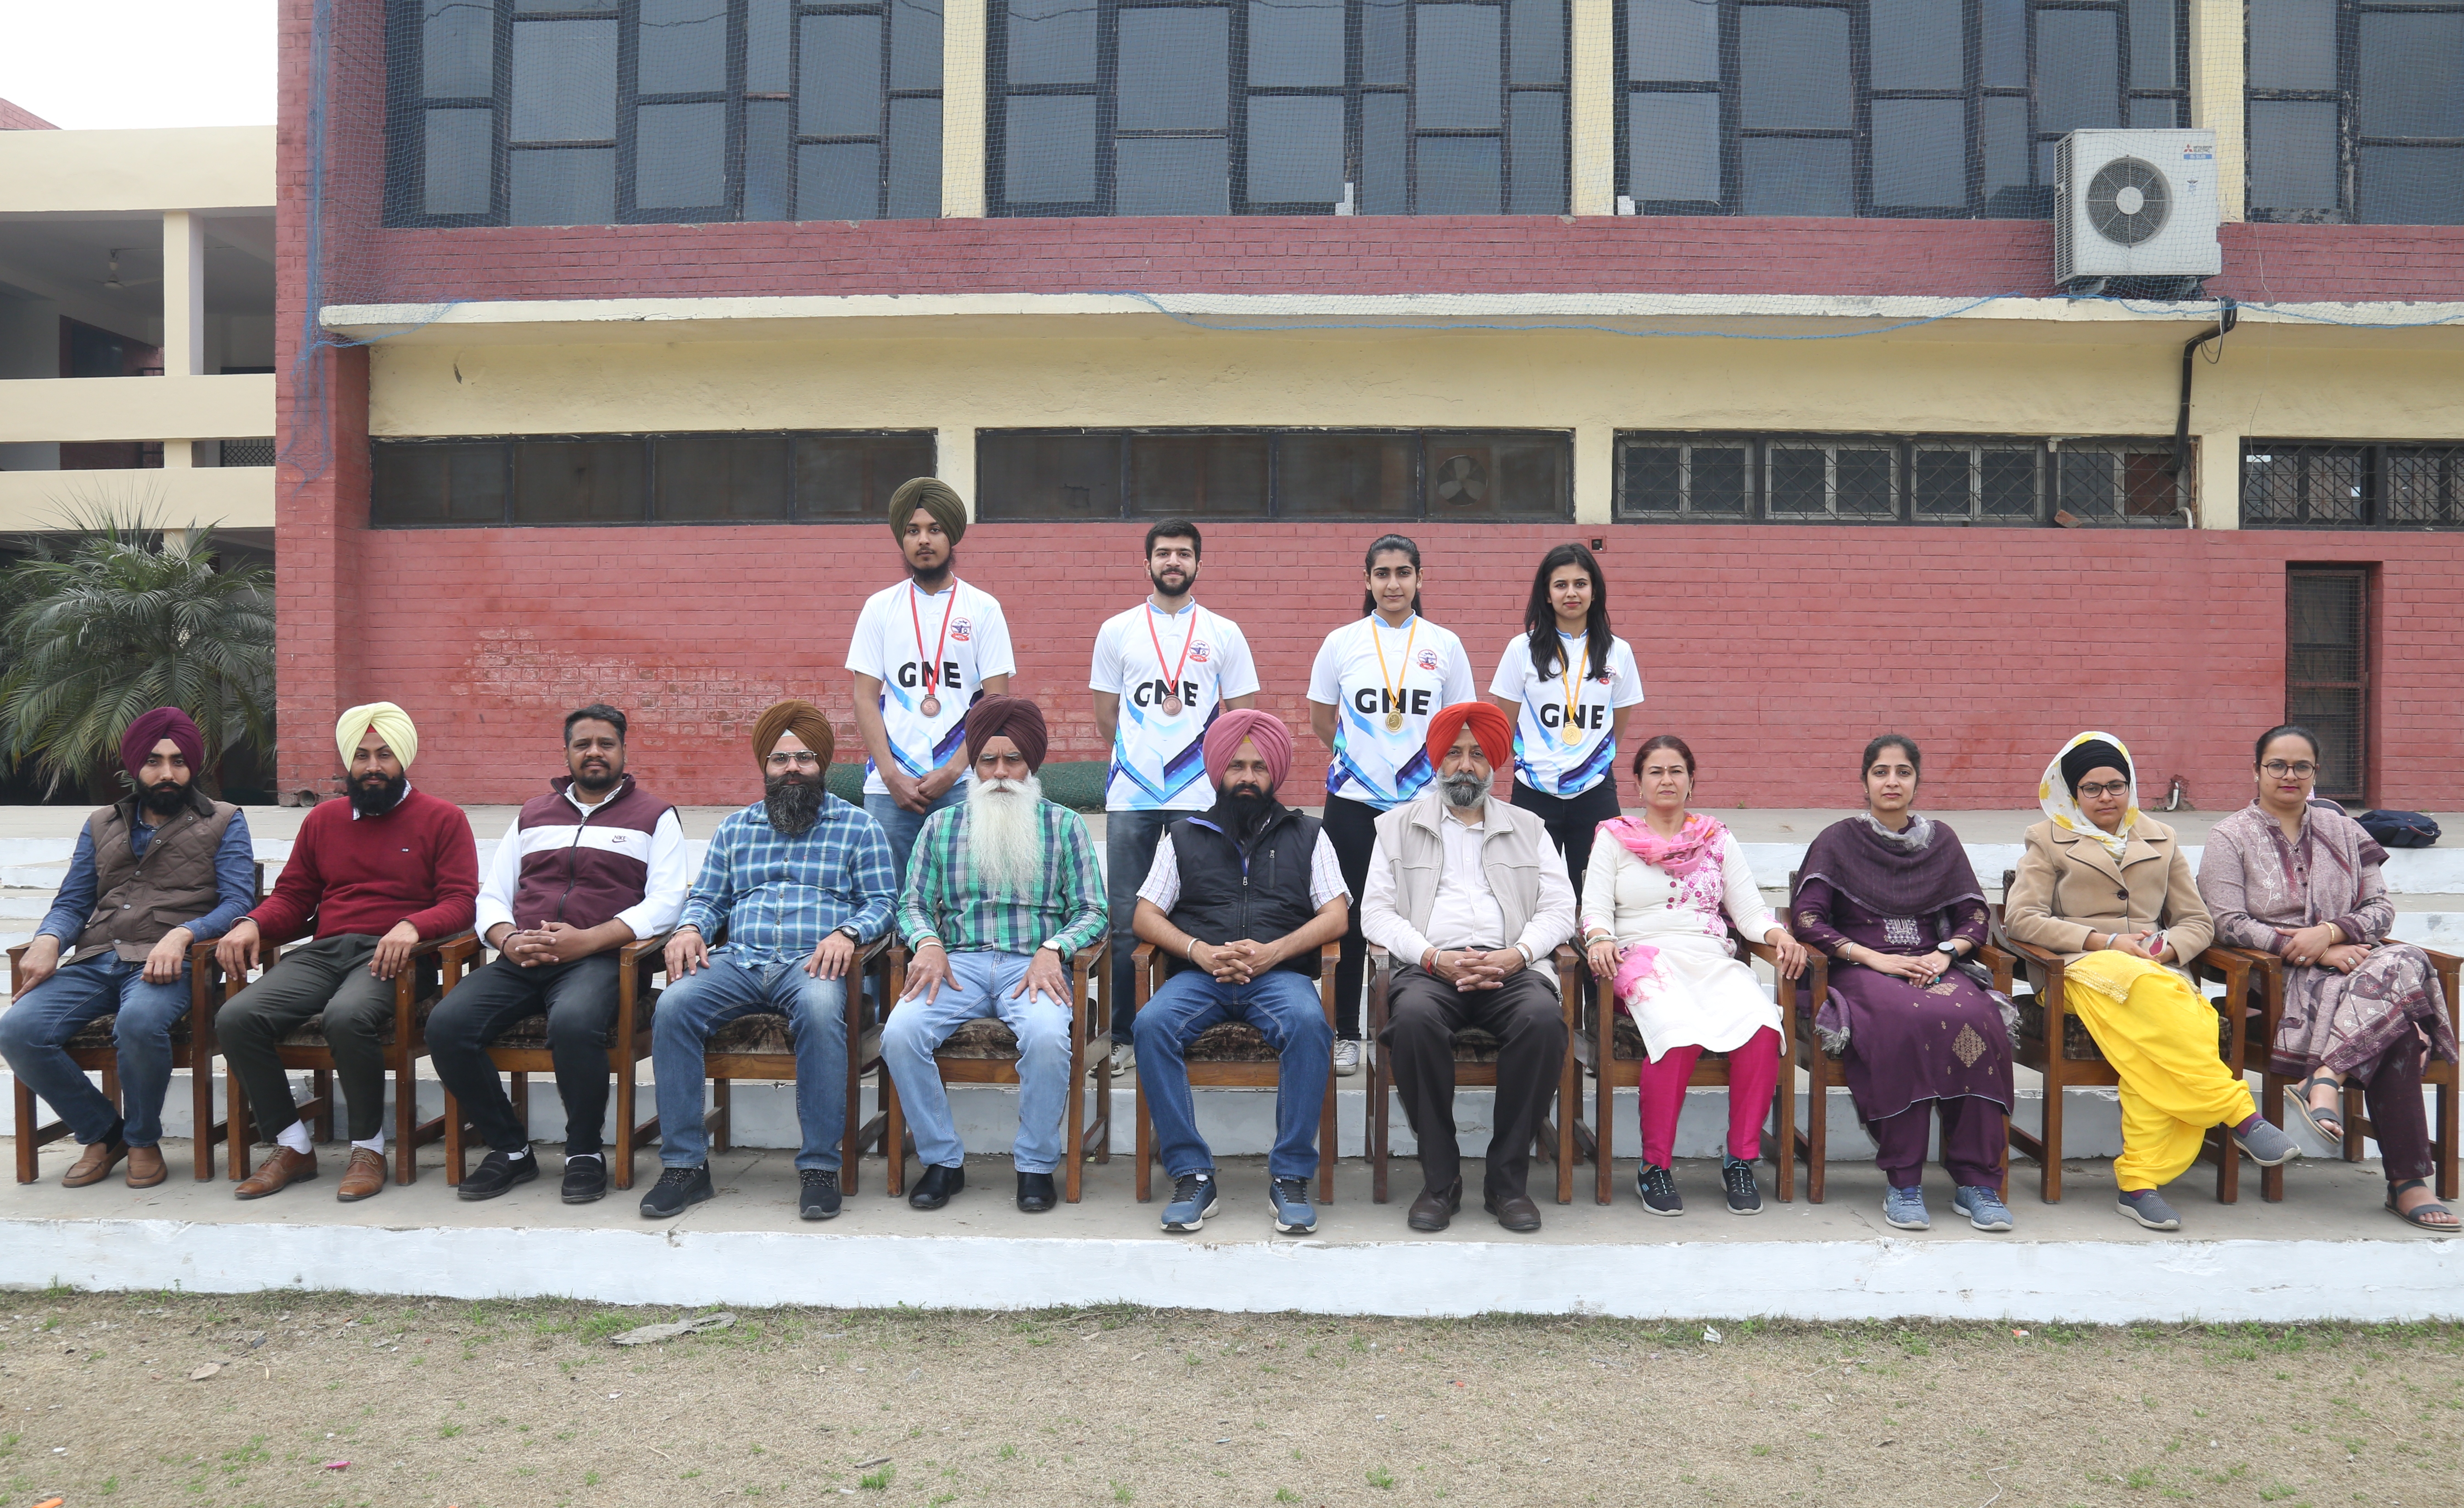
(1162, 671)
(376, 876)
(801, 880)
(1241, 899)
(1001, 893)
(156, 871)
(1468, 896)
(588, 867)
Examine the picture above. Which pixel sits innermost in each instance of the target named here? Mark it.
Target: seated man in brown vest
(590, 866)
(160, 868)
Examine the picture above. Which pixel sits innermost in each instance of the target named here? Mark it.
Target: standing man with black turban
(801, 879)
(924, 650)
(1001, 893)
(156, 871)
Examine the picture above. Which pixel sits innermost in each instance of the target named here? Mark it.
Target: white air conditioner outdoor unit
(2139, 206)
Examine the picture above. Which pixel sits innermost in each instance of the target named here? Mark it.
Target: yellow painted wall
(232, 496)
(187, 168)
(136, 408)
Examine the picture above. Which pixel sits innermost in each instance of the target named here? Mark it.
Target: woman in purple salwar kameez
(1921, 1036)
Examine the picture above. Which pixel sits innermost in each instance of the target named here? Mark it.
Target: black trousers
(1423, 1013)
(1571, 820)
(1352, 826)
(580, 1002)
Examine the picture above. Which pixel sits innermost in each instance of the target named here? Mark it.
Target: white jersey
(1368, 672)
(1543, 759)
(1159, 757)
(900, 632)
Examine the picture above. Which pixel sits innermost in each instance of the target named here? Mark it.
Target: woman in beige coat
(2109, 889)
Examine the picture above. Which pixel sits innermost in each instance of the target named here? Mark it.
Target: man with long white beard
(1000, 892)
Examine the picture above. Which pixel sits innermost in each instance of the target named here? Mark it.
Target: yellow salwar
(2160, 1035)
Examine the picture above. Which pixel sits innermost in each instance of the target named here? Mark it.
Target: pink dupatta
(1694, 848)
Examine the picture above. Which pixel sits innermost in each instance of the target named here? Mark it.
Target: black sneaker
(585, 1178)
(677, 1187)
(497, 1173)
(1744, 1197)
(1658, 1187)
(818, 1197)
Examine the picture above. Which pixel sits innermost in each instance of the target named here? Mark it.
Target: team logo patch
(1197, 650)
(1426, 659)
(960, 630)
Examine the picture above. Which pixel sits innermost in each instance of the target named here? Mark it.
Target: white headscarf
(2055, 798)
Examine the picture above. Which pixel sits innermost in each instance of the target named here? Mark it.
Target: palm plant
(98, 624)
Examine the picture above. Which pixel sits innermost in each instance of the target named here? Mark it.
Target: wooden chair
(1234, 1054)
(1610, 1048)
(985, 1051)
(761, 1048)
(1475, 1067)
(423, 982)
(2440, 1073)
(524, 1051)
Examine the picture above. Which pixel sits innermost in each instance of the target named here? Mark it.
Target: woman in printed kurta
(1920, 1035)
(2302, 882)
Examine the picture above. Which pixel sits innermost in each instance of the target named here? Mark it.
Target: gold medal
(1570, 734)
(930, 706)
(1393, 723)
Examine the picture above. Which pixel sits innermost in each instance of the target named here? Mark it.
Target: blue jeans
(900, 826)
(1130, 839)
(692, 1009)
(1283, 1006)
(35, 1032)
(980, 985)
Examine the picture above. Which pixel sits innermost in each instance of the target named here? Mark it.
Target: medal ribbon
(1572, 682)
(1171, 671)
(932, 667)
(1394, 689)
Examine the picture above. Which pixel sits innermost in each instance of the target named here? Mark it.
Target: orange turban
(1496, 735)
(802, 718)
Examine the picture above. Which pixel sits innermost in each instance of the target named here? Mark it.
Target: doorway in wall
(2327, 671)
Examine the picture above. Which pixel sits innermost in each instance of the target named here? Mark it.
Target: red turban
(153, 727)
(1496, 735)
(1013, 718)
(1240, 724)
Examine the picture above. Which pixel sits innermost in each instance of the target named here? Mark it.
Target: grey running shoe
(1905, 1209)
(1983, 1207)
(2148, 1208)
(1193, 1201)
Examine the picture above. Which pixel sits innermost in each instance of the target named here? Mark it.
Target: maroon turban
(1013, 718)
(1232, 728)
(1496, 735)
(153, 727)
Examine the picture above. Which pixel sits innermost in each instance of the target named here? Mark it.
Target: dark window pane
(1719, 481)
(2410, 186)
(1673, 145)
(460, 145)
(1800, 482)
(1172, 69)
(2007, 195)
(564, 185)
(437, 484)
(1338, 476)
(769, 160)
(840, 92)
(2149, 489)
(2091, 487)
(1866, 481)
(1199, 476)
(1295, 150)
(1454, 69)
(1918, 44)
(564, 82)
(2008, 485)
(1787, 175)
(577, 482)
(1672, 40)
(1944, 485)
(2078, 74)
(2004, 49)
(1295, 43)
(1172, 175)
(1793, 68)
(1484, 476)
(704, 477)
(851, 476)
(457, 49)
(1539, 143)
(1536, 41)
(680, 155)
(915, 159)
(1049, 154)
(1456, 175)
(1383, 46)
(1920, 153)
(1385, 178)
(1655, 479)
(521, 6)
(682, 47)
(1051, 42)
(2293, 155)
(915, 45)
(1047, 476)
(2155, 115)
(2293, 44)
(766, 54)
(2410, 74)
(838, 181)
(2151, 45)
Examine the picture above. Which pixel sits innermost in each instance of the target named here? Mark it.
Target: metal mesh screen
(2327, 671)
(1898, 479)
(2298, 484)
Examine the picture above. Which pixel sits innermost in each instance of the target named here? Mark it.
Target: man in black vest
(1241, 899)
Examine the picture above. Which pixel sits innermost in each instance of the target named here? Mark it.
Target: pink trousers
(1753, 1073)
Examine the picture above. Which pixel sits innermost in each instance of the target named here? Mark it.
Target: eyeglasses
(2277, 770)
(2115, 787)
(804, 761)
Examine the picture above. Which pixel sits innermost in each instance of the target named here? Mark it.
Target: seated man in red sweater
(379, 875)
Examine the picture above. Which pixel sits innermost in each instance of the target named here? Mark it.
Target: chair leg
(406, 1121)
(723, 1115)
(1783, 1119)
(1377, 1127)
(200, 1114)
(321, 1086)
(1145, 1145)
(457, 1160)
(237, 1124)
(1074, 1144)
(619, 1171)
(2270, 1090)
(851, 1133)
(1570, 1108)
(28, 1149)
(2448, 1093)
(1818, 1124)
(1603, 1107)
(2049, 1175)
(893, 1135)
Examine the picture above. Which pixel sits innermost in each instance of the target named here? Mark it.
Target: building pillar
(2218, 466)
(954, 461)
(1594, 108)
(964, 38)
(183, 315)
(1595, 473)
(2217, 77)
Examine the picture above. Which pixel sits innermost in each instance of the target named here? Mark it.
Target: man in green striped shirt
(1000, 892)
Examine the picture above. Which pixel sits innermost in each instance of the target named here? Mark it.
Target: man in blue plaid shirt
(800, 880)
(1000, 892)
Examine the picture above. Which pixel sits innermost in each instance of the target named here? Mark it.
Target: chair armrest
(2449, 966)
(2030, 953)
(1999, 963)
(640, 948)
(883, 943)
(440, 947)
(458, 952)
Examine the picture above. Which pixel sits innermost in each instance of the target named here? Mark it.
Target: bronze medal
(930, 706)
(1393, 723)
(1172, 706)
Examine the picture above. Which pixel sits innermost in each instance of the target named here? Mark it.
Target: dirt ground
(438, 1401)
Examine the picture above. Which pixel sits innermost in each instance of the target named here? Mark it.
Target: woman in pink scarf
(1657, 898)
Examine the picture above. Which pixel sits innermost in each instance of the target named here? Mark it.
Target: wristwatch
(852, 935)
(1948, 950)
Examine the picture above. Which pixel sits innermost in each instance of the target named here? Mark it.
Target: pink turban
(153, 727)
(1242, 724)
(1496, 735)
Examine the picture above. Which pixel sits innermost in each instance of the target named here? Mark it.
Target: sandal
(2418, 1215)
(2329, 1122)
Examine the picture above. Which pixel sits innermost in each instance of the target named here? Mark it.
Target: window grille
(1864, 479)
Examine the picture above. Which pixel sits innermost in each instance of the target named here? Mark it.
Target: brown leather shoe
(145, 1166)
(281, 1169)
(365, 1177)
(93, 1165)
(1435, 1206)
(1515, 1212)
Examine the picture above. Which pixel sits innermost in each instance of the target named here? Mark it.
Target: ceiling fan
(116, 281)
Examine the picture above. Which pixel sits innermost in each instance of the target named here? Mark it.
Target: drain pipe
(2227, 317)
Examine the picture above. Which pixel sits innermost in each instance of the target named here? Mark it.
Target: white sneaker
(1125, 1059)
(1346, 1057)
